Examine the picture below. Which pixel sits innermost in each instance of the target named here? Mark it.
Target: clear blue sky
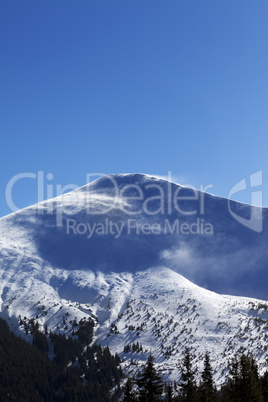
(146, 86)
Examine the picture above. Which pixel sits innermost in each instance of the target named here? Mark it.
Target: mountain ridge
(159, 289)
(220, 261)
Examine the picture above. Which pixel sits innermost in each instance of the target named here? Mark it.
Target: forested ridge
(78, 372)
(244, 384)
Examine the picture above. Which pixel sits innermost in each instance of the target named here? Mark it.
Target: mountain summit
(123, 252)
(131, 222)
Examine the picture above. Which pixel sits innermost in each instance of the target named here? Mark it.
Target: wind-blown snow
(232, 259)
(133, 284)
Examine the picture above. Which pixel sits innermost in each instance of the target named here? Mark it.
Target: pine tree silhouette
(149, 383)
(244, 383)
(129, 395)
(187, 383)
(207, 388)
(169, 393)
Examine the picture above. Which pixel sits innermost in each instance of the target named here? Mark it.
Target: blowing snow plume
(128, 223)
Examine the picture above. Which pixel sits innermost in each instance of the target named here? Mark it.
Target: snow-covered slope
(100, 227)
(119, 250)
(157, 308)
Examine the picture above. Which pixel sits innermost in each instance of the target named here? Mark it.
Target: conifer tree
(149, 383)
(169, 393)
(187, 383)
(249, 382)
(244, 383)
(129, 395)
(207, 389)
(234, 380)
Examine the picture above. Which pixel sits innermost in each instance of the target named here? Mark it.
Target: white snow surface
(135, 286)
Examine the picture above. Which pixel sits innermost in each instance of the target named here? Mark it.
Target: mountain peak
(145, 259)
(131, 222)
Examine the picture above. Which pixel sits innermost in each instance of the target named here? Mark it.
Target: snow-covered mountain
(144, 258)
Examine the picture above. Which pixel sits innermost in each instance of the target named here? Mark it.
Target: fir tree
(207, 389)
(249, 383)
(187, 383)
(234, 380)
(244, 383)
(149, 383)
(129, 395)
(169, 393)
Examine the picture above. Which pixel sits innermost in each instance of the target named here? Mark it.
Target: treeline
(79, 372)
(76, 373)
(244, 384)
